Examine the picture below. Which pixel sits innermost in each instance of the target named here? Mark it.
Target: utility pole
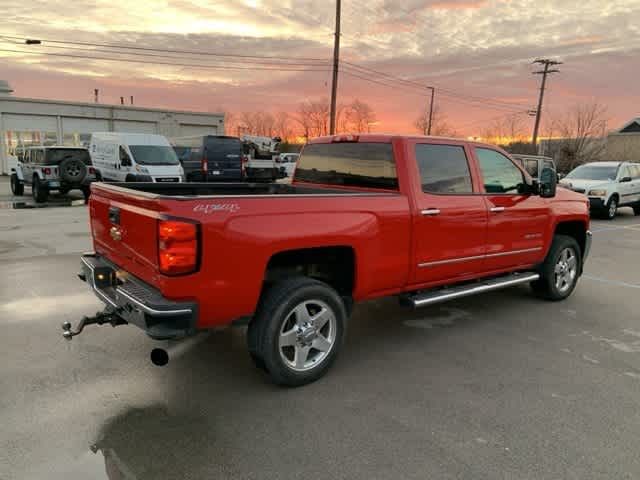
(433, 92)
(96, 92)
(336, 64)
(547, 63)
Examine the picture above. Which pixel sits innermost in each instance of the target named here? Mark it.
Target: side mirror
(625, 179)
(548, 183)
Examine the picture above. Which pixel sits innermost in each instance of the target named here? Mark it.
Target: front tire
(40, 192)
(298, 330)
(560, 271)
(611, 208)
(17, 187)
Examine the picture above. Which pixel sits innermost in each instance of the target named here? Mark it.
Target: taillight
(46, 171)
(205, 165)
(178, 248)
(92, 171)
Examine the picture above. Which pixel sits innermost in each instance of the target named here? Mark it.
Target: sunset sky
(479, 52)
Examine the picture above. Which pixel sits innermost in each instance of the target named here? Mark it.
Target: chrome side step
(430, 297)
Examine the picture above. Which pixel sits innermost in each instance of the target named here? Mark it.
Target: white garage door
(193, 130)
(30, 123)
(84, 125)
(129, 126)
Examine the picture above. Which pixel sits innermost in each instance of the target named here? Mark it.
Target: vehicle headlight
(141, 169)
(598, 192)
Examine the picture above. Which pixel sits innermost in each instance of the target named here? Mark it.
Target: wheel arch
(334, 265)
(576, 229)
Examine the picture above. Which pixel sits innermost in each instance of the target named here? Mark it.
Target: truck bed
(189, 190)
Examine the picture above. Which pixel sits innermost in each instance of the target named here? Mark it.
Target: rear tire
(560, 271)
(297, 331)
(636, 209)
(17, 187)
(40, 192)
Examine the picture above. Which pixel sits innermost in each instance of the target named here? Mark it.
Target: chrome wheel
(613, 207)
(307, 335)
(566, 270)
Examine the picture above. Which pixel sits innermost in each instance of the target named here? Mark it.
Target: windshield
(367, 165)
(154, 155)
(592, 172)
(56, 155)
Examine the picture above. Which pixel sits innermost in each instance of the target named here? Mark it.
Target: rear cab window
(349, 164)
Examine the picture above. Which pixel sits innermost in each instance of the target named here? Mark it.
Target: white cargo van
(134, 157)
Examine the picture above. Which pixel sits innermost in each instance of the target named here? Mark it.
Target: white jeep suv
(609, 185)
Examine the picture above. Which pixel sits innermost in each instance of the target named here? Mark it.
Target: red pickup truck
(425, 219)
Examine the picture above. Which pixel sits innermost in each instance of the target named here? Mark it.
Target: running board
(450, 293)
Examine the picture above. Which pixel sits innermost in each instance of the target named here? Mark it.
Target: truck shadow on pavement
(219, 410)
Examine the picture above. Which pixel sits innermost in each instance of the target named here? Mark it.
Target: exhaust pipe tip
(159, 357)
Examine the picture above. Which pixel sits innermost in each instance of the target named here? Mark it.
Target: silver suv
(53, 168)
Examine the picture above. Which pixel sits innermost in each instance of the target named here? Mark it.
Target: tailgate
(124, 229)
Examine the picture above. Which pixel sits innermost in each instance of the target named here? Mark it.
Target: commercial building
(26, 121)
(624, 144)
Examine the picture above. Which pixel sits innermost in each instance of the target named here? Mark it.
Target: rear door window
(360, 164)
(443, 169)
(226, 151)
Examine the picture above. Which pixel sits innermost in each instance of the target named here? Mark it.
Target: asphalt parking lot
(495, 386)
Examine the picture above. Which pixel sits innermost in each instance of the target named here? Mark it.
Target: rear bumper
(263, 173)
(56, 184)
(136, 302)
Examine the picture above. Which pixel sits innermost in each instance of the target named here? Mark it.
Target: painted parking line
(610, 282)
(622, 227)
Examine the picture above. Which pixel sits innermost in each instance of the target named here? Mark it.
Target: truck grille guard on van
(130, 300)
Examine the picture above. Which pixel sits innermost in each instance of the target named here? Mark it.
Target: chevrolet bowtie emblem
(116, 233)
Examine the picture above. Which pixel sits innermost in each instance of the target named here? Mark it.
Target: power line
(190, 65)
(443, 91)
(371, 80)
(283, 61)
(162, 50)
(491, 119)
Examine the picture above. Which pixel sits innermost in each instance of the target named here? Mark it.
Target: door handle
(431, 212)
(497, 209)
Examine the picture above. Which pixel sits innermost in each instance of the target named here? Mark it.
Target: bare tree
(439, 125)
(282, 126)
(313, 117)
(506, 130)
(362, 116)
(257, 123)
(583, 132)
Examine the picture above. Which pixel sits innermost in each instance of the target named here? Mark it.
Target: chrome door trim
(478, 257)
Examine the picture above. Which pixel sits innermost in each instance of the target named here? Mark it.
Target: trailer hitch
(108, 316)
